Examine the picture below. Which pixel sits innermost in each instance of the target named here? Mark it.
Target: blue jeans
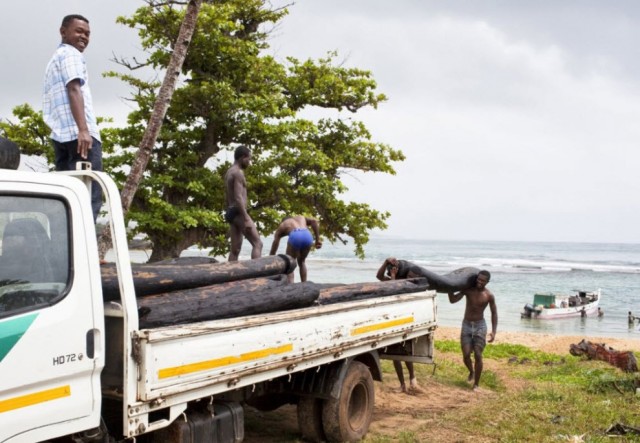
(66, 159)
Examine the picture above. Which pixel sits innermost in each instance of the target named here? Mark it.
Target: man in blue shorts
(300, 241)
(473, 336)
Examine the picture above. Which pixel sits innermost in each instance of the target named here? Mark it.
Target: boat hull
(550, 313)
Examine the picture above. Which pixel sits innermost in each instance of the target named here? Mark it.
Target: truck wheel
(348, 417)
(310, 419)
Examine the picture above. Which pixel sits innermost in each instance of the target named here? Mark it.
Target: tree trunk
(159, 111)
(149, 279)
(361, 291)
(229, 300)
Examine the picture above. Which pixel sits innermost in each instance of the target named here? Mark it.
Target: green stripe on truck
(11, 330)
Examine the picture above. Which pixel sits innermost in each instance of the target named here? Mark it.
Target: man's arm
(455, 298)
(76, 102)
(276, 241)
(316, 230)
(494, 317)
(388, 261)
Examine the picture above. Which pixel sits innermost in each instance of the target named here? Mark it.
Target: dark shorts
(474, 334)
(300, 239)
(66, 157)
(231, 213)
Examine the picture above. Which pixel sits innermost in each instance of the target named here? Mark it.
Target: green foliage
(29, 132)
(232, 92)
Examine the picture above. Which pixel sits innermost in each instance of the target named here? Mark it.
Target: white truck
(76, 368)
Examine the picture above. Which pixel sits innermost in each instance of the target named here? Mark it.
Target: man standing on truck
(473, 336)
(394, 269)
(300, 241)
(67, 106)
(236, 213)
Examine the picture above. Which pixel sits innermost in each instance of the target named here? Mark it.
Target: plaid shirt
(66, 64)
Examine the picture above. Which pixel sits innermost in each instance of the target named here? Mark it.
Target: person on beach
(394, 269)
(300, 241)
(241, 224)
(67, 105)
(473, 335)
(632, 319)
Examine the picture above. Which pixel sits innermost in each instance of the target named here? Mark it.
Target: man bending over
(300, 241)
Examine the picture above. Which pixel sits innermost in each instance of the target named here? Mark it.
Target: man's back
(291, 223)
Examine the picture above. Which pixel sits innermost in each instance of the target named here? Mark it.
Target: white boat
(551, 305)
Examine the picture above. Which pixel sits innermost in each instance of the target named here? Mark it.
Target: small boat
(550, 305)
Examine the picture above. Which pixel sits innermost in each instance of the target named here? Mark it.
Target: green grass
(563, 397)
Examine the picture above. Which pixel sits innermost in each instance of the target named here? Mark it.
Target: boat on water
(552, 305)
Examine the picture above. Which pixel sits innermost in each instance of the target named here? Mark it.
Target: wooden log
(624, 360)
(457, 280)
(150, 278)
(227, 300)
(361, 291)
(187, 261)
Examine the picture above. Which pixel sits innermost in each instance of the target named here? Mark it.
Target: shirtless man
(394, 269)
(236, 214)
(300, 241)
(473, 336)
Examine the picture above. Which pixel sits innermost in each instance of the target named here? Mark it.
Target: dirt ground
(422, 413)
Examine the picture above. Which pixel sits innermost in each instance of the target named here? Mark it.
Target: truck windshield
(34, 259)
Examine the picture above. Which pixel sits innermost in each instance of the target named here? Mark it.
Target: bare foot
(470, 377)
(414, 388)
(402, 389)
(476, 388)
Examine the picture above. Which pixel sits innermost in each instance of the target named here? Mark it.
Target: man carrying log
(473, 336)
(236, 213)
(394, 269)
(300, 241)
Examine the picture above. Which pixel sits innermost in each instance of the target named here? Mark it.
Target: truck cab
(51, 323)
(77, 367)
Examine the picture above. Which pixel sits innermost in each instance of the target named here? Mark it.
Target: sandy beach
(555, 344)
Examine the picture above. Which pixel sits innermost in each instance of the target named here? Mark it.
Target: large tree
(234, 93)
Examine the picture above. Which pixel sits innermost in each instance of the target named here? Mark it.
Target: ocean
(518, 270)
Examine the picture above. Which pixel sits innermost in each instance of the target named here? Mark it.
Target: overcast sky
(519, 119)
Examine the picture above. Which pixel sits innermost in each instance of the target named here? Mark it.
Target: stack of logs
(191, 290)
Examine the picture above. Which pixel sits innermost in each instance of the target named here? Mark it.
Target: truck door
(50, 337)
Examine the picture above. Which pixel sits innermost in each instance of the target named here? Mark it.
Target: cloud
(518, 118)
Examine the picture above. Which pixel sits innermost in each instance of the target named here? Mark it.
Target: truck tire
(310, 419)
(348, 417)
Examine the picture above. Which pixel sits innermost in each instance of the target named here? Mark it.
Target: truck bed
(179, 362)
